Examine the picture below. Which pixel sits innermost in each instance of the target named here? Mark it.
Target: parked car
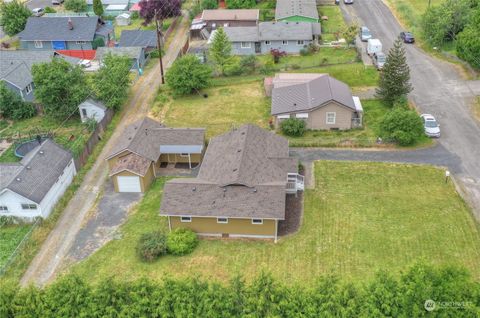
(374, 46)
(379, 59)
(407, 37)
(337, 2)
(85, 63)
(348, 1)
(38, 12)
(365, 34)
(57, 2)
(432, 127)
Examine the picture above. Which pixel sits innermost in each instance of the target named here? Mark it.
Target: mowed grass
(10, 237)
(335, 22)
(226, 107)
(360, 218)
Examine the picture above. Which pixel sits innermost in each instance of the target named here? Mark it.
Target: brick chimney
(70, 24)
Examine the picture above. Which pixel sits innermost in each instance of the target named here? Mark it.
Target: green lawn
(137, 24)
(335, 22)
(325, 56)
(71, 134)
(360, 218)
(224, 108)
(10, 237)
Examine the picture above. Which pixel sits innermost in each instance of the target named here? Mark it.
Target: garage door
(128, 184)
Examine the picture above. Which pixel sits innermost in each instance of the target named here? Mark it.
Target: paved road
(45, 265)
(439, 90)
(32, 4)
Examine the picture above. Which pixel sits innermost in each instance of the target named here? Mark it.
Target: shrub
(181, 241)
(267, 68)
(50, 10)
(75, 5)
(403, 126)
(295, 66)
(98, 42)
(233, 69)
(188, 75)
(277, 54)
(249, 63)
(293, 127)
(151, 246)
(209, 4)
(26, 110)
(304, 52)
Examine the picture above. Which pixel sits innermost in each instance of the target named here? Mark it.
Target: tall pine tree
(98, 7)
(394, 82)
(221, 50)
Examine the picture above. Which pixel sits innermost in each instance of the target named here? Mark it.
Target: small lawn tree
(221, 50)
(350, 33)
(76, 5)
(98, 7)
(394, 82)
(111, 82)
(60, 87)
(277, 54)
(188, 75)
(162, 9)
(13, 16)
(403, 126)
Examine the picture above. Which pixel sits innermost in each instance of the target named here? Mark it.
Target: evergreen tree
(221, 50)
(98, 7)
(394, 83)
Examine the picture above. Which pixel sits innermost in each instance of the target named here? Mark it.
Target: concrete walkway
(45, 264)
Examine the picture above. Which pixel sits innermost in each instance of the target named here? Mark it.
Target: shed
(91, 108)
(123, 19)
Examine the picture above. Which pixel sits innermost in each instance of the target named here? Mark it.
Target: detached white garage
(129, 184)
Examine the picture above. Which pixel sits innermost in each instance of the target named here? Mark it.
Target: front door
(258, 47)
(59, 45)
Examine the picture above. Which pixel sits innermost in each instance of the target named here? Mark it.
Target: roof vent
(19, 179)
(224, 189)
(146, 132)
(129, 138)
(294, 104)
(70, 24)
(29, 168)
(194, 189)
(239, 150)
(41, 152)
(254, 190)
(243, 133)
(235, 169)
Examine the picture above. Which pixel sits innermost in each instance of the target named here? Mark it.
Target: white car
(38, 12)
(432, 127)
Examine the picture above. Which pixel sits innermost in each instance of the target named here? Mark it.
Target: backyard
(360, 218)
(10, 237)
(335, 23)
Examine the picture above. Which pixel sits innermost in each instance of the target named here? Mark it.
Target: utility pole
(159, 44)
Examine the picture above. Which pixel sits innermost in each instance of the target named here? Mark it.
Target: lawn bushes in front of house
(181, 241)
(151, 246)
(384, 296)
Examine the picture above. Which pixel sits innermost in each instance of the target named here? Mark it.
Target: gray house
(290, 37)
(64, 33)
(297, 10)
(136, 53)
(15, 69)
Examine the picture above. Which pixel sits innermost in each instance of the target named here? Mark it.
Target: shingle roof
(133, 52)
(273, 31)
(143, 38)
(38, 171)
(231, 15)
(109, 2)
(16, 65)
(293, 92)
(291, 8)
(243, 175)
(57, 29)
(144, 137)
(132, 162)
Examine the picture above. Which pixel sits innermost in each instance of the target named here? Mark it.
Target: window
(29, 206)
(300, 42)
(245, 45)
(185, 155)
(331, 118)
(84, 112)
(81, 42)
(285, 42)
(301, 115)
(38, 44)
(214, 25)
(267, 42)
(226, 24)
(222, 220)
(29, 88)
(3, 208)
(257, 221)
(186, 219)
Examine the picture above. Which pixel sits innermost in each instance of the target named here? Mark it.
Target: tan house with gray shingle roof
(241, 187)
(145, 145)
(321, 100)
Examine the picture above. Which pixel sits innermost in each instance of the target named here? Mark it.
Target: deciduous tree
(98, 7)
(13, 16)
(162, 8)
(76, 5)
(188, 75)
(60, 87)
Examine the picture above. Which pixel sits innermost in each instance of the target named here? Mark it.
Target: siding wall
(292, 47)
(231, 23)
(92, 112)
(297, 18)
(233, 227)
(145, 181)
(317, 119)
(22, 93)
(47, 45)
(14, 202)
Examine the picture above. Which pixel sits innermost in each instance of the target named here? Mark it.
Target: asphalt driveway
(438, 89)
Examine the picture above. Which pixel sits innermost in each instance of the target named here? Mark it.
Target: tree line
(421, 291)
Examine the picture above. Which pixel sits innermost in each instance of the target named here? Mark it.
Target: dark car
(407, 37)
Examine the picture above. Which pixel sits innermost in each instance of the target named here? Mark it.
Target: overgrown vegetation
(187, 75)
(12, 106)
(151, 246)
(75, 5)
(293, 127)
(13, 16)
(181, 241)
(384, 296)
(403, 126)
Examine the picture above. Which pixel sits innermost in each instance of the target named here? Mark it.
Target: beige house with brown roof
(145, 146)
(240, 190)
(322, 101)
